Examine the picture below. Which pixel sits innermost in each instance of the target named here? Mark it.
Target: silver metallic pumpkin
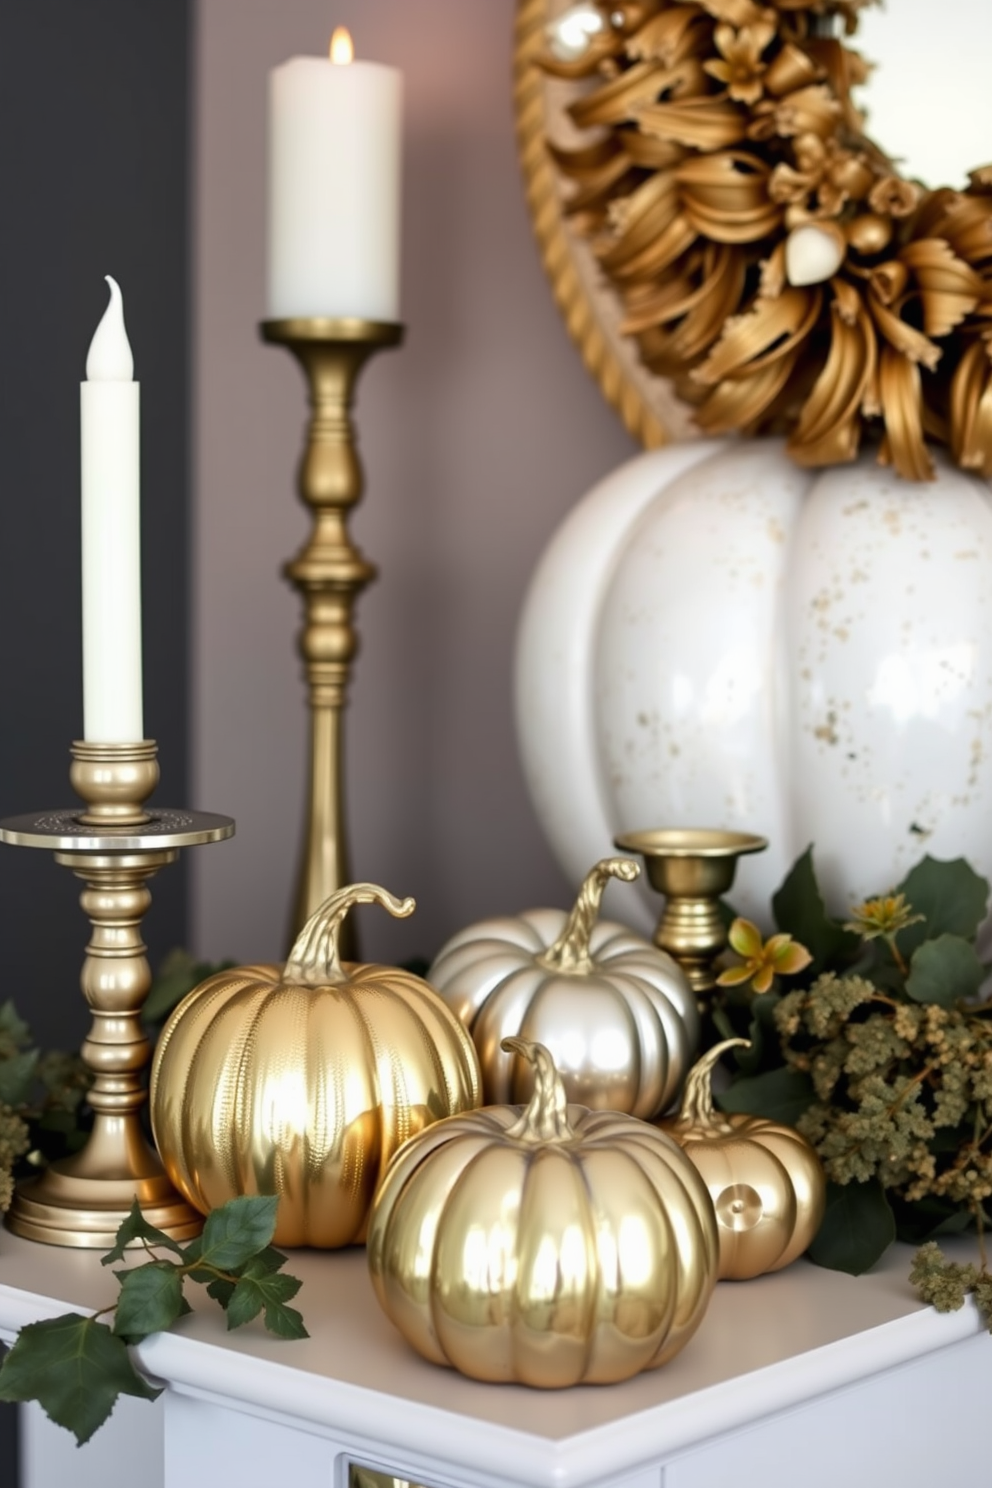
(616, 1012)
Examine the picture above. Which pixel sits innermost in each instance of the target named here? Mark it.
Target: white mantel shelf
(807, 1351)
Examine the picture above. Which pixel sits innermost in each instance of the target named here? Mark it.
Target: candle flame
(342, 49)
(109, 358)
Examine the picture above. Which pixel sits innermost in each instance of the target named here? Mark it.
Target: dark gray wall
(93, 180)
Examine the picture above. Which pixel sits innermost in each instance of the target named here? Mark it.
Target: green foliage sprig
(881, 1058)
(40, 1102)
(76, 1366)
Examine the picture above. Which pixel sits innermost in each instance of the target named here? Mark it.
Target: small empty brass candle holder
(694, 868)
(329, 573)
(115, 845)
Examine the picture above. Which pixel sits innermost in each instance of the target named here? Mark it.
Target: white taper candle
(110, 446)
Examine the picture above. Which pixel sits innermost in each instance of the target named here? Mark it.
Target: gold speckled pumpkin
(616, 1012)
(303, 1080)
(765, 1180)
(548, 1245)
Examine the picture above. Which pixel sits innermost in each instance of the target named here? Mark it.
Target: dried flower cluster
(770, 259)
(903, 1091)
(14, 1142)
(945, 1284)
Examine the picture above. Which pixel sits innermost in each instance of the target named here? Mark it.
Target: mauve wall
(477, 437)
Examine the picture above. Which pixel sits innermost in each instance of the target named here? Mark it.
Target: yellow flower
(884, 916)
(763, 960)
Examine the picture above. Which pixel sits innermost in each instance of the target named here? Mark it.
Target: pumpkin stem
(697, 1112)
(570, 952)
(314, 959)
(546, 1117)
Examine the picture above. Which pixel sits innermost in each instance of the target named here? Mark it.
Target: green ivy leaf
(799, 910)
(75, 1368)
(237, 1231)
(778, 1095)
(858, 1227)
(220, 1289)
(150, 1301)
(950, 895)
(271, 1292)
(17, 1075)
(762, 1033)
(929, 1217)
(944, 971)
(266, 1261)
(136, 1227)
(284, 1322)
(722, 1023)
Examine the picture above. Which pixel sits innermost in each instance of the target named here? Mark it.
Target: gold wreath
(770, 261)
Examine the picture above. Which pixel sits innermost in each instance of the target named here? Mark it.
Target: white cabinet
(806, 1379)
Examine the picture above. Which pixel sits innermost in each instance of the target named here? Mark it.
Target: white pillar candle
(334, 187)
(109, 421)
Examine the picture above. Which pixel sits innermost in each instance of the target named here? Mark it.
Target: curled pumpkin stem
(314, 959)
(570, 952)
(545, 1118)
(697, 1112)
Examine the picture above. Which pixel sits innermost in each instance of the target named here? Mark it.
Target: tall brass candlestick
(330, 573)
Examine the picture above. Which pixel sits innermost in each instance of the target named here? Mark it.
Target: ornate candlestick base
(693, 868)
(330, 573)
(115, 847)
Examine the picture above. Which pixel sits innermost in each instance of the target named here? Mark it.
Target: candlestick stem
(81, 1200)
(329, 572)
(115, 846)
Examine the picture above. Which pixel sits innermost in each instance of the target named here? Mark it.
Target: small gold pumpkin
(550, 1245)
(616, 1012)
(303, 1081)
(765, 1180)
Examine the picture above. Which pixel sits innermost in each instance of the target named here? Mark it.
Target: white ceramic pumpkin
(716, 637)
(616, 1013)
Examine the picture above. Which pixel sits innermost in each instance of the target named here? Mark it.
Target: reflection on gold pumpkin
(303, 1081)
(550, 1245)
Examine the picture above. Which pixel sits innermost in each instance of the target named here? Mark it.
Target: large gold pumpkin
(765, 1180)
(303, 1081)
(616, 1012)
(550, 1245)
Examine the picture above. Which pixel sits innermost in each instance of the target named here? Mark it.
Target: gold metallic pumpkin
(303, 1081)
(550, 1245)
(765, 1180)
(616, 1012)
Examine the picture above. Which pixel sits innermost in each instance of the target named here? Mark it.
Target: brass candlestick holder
(330, 573)
(694, 869)
(115, 846)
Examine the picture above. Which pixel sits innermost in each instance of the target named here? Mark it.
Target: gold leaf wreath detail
(725, 141)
